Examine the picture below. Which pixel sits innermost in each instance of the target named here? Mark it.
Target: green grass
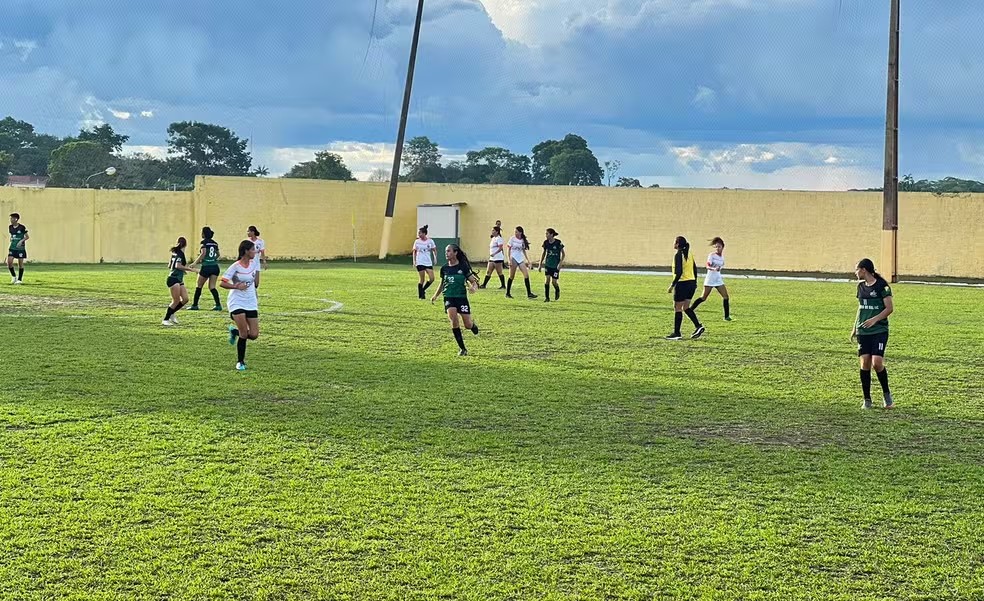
(573, 455)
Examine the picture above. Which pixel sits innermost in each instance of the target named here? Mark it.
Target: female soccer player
(209, 272)
(17, 250)
(175, 281)
(424, 257)
(684, 287)
(554, 255)
(497, 257)
(253, 235)
(871, 328)
(240, 280)
(713, 279)
(457, 278)
(519, 259)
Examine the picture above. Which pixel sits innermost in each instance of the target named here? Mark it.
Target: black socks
(509, 286)
(458, 338)
(693, 317)
(727, 308)
(13, 273)
(241, 350)
(169, 313)
(215, 296)
(198, 295)
(20, 273)
(546, 290)
(486, 282)
(696, 303)
(677, 322)
(882, 379)
(428, 285)
(502, 281)
(556, 291)
(420, 291)
(866, 383)
(529, 290)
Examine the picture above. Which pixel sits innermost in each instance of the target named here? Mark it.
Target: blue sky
(738, 93)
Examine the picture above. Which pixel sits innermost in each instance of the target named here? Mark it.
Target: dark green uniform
(17, 234)
(456, 288)
(871, 302)
(176, 276)
(554, 249)
(210, 262)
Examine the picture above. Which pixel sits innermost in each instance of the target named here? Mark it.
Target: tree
(105, 137)
(6, 160)
(496, 165)
(205, 149)
(628, 182)
(326, 165)
(611, 168)
(422, 161)
(142, 172)
(72, 163)
(580, 165)
(379, 175)
(654, 186)
(31, 151)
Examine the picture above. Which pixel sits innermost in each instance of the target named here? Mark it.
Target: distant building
(27, 181)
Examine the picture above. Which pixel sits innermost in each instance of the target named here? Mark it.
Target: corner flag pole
(398, 153)
(890, 194)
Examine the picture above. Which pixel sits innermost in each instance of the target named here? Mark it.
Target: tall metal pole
(890, 205)
(398, 154)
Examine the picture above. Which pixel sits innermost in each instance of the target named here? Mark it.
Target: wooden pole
(890, 202)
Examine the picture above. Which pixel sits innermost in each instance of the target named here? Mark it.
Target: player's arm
(263, 258)
(413, 257)
(473, 282)
(888, 310)
(543, 256)
(25, 239)
(433, 252)
(440, 289)
(201, 256)
(186, 268)
(677, 269)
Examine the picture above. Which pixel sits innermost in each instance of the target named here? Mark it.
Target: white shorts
(713, 279)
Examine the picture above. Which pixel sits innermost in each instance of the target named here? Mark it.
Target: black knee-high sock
(677, 322)
(528, 289)
(474, 328)
(241, 350)
(170, 312)
(509, 286)
(20, 273)
(866, 383)
(215, 297)
(458, 338)
(883, 380)
(546, 290)
(727, 307)
(486, 282)
(420, 291)
(178, 308)
(696, 303)
(502, 281)
(556, 290)
(428, 285)
(13, 273)
(198, 295)
(693, 317)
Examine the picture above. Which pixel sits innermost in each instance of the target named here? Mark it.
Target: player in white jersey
(497, 256)
(240, 280)
(424, 257)
(713, 279)
(253, 235)
(519, 259)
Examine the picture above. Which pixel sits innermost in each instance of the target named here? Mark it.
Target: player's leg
(456, 330)
(526, 280)
(241, 333)
(212, 279)
(175, 292)
(703, 297)
(513, 264)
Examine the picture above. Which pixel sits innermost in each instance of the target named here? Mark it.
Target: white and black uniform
(259, 245)
(424, 248)
(713, 279)
(243, 300)
(517, 248)
(497, 250)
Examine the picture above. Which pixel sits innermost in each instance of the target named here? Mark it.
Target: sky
(688, 93)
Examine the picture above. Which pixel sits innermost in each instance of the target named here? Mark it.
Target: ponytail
(683, 246)
(869, 266)
(522, 235)
(464, 261)
(180, 245)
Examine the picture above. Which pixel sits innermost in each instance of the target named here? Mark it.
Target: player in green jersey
(871, 328)
(17, 250)
(553, 257)
(457, 278)
(209, 260)
(175, 281)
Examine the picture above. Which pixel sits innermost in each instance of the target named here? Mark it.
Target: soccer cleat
(167, 322)
(556, 293)
(474, 330)
(728, 318)
(889, 402)
(19, 282)
(233, 334)
(501, 288)
(240, 367)
(481, 286)
(530, 295)
(698, 332)
(674, 336)
(13, 280)
(866, 404)
(193, 308)
(174, 320)
(462, 353)
(546, 300)
(217, 308)
(508, 295)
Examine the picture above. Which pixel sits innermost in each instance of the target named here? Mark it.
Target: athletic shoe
(481, 286)
(19, 282)
(531, 295)
(217, 308)
(697, 333)
(557, 293)
(193, 308)
(674, 337)
(474, 330)
(174, 320)
(462, 353)
(167, 322)
(501, 288)
(866, 404)
(233, 334)
(889, 402)
(546, 300)
(507, 294)
(240, 367)
(13, 280)
(727, 318)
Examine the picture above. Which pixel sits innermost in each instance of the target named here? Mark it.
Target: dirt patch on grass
(59, 304)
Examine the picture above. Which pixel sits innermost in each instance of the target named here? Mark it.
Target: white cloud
(159, 152)
(360, 157)
(147, 114)
(124, 115)
(26, 47)
(705, 98)
(92, 115)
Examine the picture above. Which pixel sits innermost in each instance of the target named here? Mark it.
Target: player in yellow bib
(683, 288)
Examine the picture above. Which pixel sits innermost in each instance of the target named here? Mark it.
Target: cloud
(147, 114)
(121, 114)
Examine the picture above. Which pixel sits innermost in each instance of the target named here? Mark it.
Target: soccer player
(684, 287)
(497, 257)
(553, 256)
(253, 235)
(240, 280)
(17, 250)
(457, 278)
(519, 259)
(209, 272)
(424, 257)
(175, 281)
(713, 279)
(871, 329)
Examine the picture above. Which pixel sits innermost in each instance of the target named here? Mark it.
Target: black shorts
(249, 313)
(17, 254)
(552, 272)
(872, 344)
(208, 271)
(684, 291)
(172, 281)
(461, 304)
(425, 267)
(497, 262)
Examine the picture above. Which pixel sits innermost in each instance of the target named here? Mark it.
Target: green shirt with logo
(211, 249)
(554, 250)
(455, 281)
(871, 302)
(17, 234)
(177, 258)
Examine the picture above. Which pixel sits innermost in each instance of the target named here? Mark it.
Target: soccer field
(573, 455)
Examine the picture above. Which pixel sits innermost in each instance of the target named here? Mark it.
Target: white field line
(788, 278)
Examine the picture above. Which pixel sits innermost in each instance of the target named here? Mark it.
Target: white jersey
(424, 248)
(713, 277)
(259, 245)
(517, 248)
(496, 247)
(237, 274)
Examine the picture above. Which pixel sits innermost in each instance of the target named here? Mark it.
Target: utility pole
(401, 134)
(890, 204)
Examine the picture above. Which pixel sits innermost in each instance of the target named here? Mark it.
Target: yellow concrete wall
(301, 219)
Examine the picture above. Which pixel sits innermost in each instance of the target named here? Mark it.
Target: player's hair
(683, 246)
(717, 240)
(522, 234)
(464, 260)
(244, 247)
(869, 266)
(15, 215)
(207, 233)
(180, 245)
(422, 230)
(496, 231)
(255, 231)
(552, 232)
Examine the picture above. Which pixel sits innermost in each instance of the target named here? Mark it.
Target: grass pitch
(573, 455)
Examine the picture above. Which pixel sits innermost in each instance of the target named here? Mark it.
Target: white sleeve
(229, 272)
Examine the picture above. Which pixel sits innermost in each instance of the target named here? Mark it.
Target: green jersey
(211, 249)
(177, 259)
(455, 281)
(17, 234)
(871, 302)
(553, 250)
